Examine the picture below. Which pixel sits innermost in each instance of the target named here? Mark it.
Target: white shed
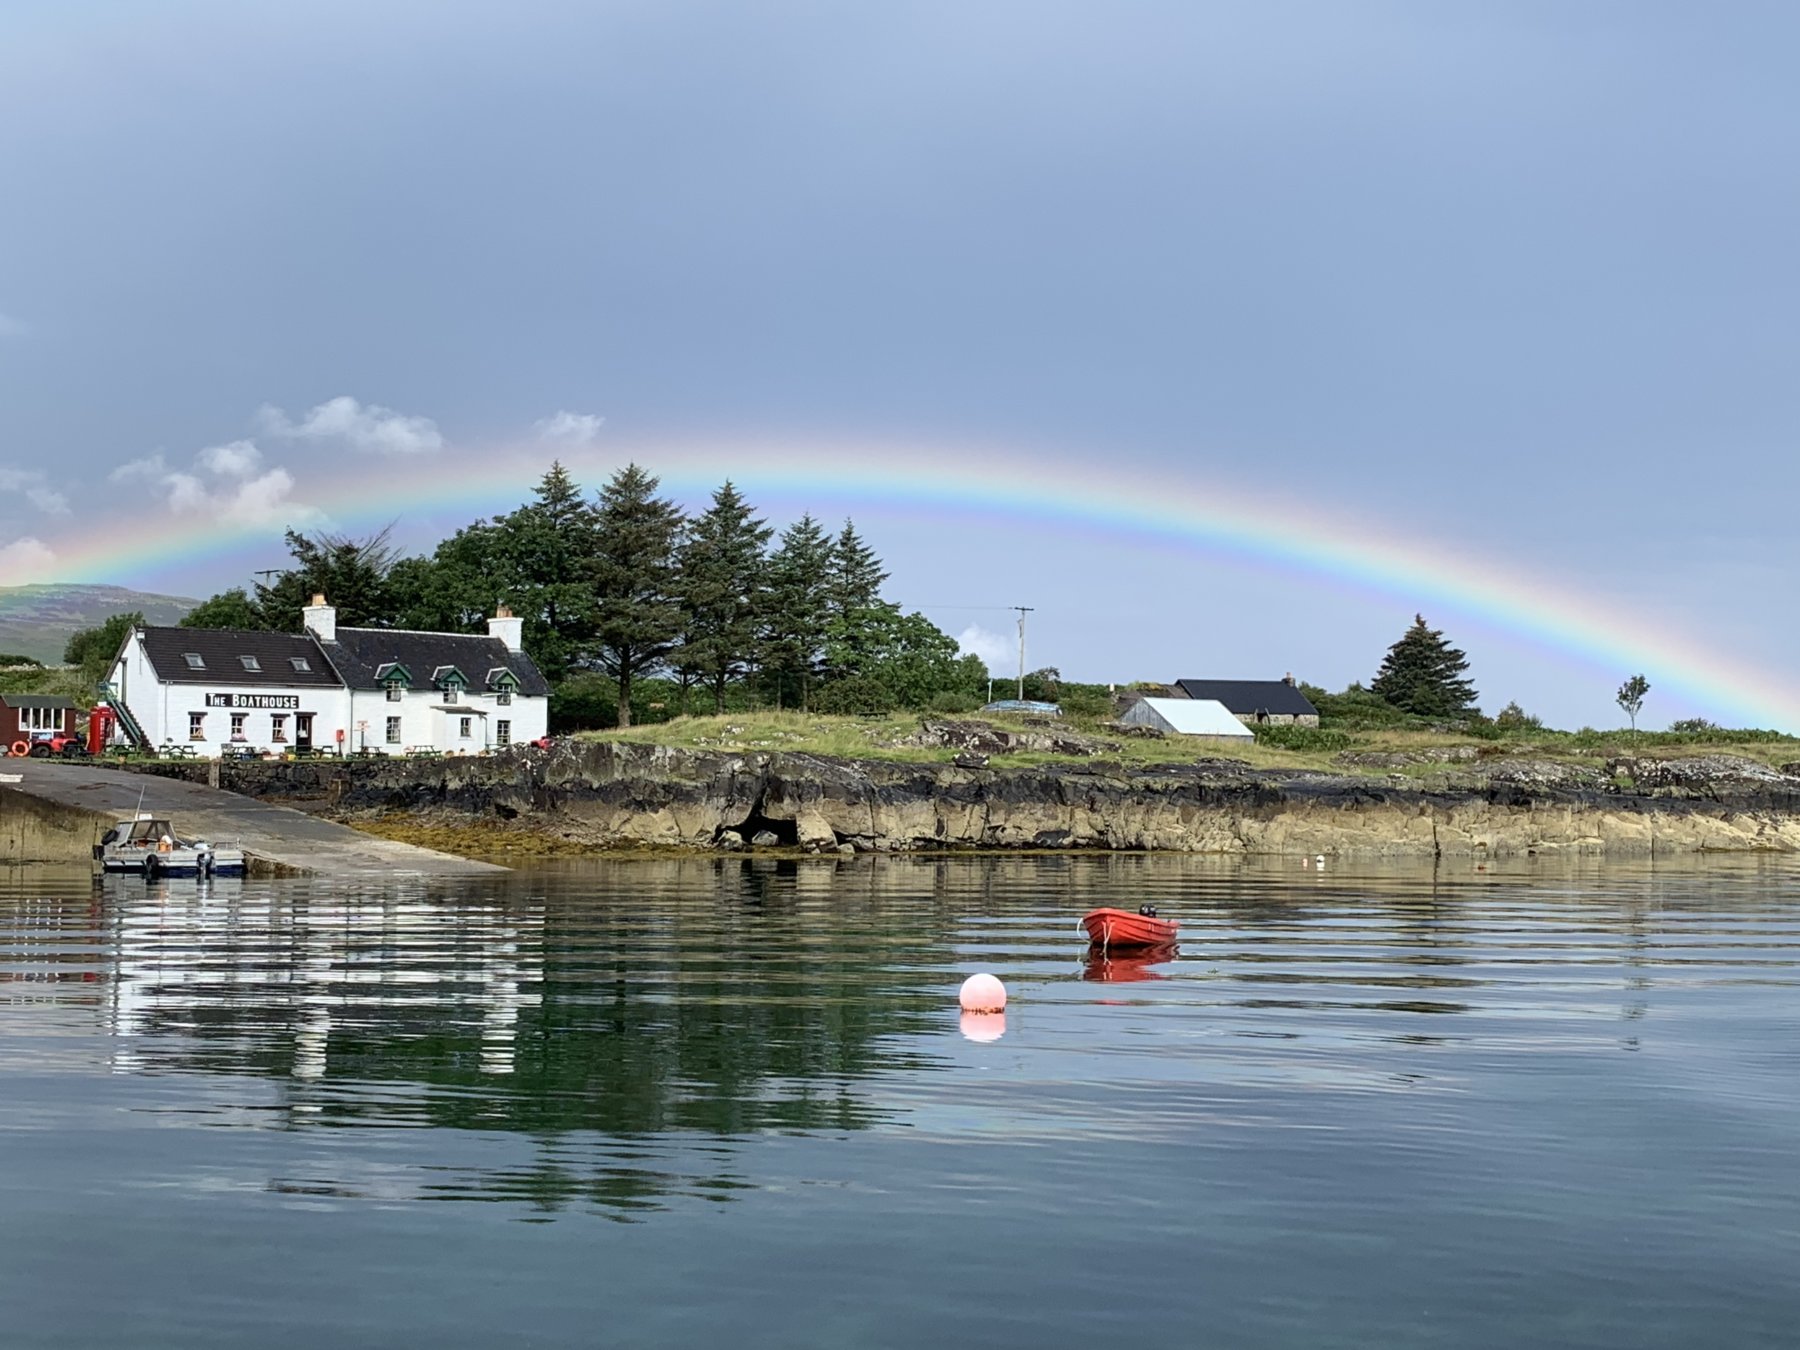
(1188, 717)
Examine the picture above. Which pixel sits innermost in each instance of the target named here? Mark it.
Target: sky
(1226, 337)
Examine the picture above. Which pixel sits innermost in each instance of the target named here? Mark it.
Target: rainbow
(991, 484)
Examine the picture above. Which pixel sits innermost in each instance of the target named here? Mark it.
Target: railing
(132, 728)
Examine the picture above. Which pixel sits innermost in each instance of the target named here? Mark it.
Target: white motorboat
(149, 846)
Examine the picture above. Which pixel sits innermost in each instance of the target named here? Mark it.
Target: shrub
(1086, 700)
(1289, 737)
(1514, 718)
(856, 694)
(954, 703)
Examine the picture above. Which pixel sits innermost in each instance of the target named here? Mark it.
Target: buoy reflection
(983, 1026)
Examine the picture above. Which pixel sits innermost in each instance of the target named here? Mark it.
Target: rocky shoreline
(585, 794)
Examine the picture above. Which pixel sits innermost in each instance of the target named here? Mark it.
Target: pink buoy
(982, 994)
(983, 1026)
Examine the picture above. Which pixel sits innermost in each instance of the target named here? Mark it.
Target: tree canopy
(1423, 674)
(93, 649)
(633, 572)
(622, 586)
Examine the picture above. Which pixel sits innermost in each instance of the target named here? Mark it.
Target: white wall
(423, 725)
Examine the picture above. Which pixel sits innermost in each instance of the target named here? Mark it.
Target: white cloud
(24, 561)
(48, 500)
(999, 651)
(567, 428)
(365, 426)
(13, 328)
(33, 484)
(224, 485)
(239, 459)
(150, 466)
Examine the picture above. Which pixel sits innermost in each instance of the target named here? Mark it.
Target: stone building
(1257, 702)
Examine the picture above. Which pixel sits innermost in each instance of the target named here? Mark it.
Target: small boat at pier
(1121, 928)
(149, 846)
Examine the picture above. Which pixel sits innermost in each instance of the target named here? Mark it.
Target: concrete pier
(57, 811)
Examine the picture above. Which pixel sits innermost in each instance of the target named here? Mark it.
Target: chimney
(320, 619)
(508, 629)
(1288, 679)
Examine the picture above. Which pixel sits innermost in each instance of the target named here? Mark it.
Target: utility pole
(1023, 611)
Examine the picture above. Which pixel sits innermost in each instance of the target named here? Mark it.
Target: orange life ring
(21, 749)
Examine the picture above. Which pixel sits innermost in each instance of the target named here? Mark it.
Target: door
(303, 731)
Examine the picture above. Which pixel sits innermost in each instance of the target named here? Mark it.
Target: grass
(882, 738)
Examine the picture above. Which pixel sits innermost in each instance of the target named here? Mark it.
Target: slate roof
(359, 653)
(222, 649)
(55, 702)
(1278, 698)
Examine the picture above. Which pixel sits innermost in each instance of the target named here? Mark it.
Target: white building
(339, 690)
(1188, 717)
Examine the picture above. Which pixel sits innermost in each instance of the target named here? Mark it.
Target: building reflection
(608, 1030)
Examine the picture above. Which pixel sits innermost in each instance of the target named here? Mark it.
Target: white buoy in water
(982, 993)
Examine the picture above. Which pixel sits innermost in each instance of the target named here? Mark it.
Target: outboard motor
(1148, 911)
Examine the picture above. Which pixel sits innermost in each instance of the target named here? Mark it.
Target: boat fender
(152, 865)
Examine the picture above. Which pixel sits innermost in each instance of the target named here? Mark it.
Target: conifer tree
(540, 554)
(854, 574)
(632, 570)
(797, 608)
(721, 591)
(1423, 674)
(349, 572)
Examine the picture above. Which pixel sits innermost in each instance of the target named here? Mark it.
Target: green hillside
(36, 621)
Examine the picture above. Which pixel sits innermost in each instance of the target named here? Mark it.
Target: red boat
(1122, 928)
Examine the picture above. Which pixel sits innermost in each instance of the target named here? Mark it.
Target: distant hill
(36, 621)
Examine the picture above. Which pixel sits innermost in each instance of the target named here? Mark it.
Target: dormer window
(300, 664)
(394, 678)
(503, 682)
(195, 660)
(250, 663)
(450, 683)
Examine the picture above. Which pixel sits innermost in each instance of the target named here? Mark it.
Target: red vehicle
(58, 745)
(1111, 928)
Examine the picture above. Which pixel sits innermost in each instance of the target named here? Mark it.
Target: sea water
(731, 1102)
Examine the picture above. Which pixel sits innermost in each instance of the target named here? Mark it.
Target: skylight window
(250, 663)
(300, 663)
(195, 660)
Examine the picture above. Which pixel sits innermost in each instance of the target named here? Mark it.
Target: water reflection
(612, 1036)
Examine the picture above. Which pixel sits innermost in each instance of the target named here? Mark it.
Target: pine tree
(797, 609)
(1422, 674)
(632, 570)
(854, 574)
(540, 553)
(352, 574)
(721, 590)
